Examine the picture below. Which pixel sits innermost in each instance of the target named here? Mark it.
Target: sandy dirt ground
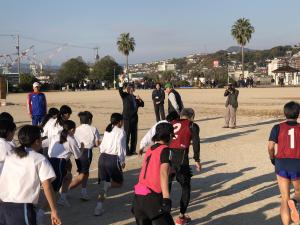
(237, 184)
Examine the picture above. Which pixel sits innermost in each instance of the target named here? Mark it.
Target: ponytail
(115, 118)
(109, 127)
(20, 151)
(62, 111)
(27, 135)
(51, 113)
(67, 126)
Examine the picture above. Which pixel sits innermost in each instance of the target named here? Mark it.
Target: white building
(166, 67)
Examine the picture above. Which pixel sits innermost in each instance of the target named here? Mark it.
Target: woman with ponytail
(61, 148)
(23, 172)
(112, 159)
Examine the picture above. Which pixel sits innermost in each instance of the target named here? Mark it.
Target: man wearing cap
(231, 106)
(36, 104)
(174, 99)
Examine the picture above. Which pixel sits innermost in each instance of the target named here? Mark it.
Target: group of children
(42, 162)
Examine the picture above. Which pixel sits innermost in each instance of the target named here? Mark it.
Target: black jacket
(158, 96)
(129, 109)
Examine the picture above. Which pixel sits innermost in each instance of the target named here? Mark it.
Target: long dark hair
(115, 118)
(67, 126)
(51, 113)
(6, 126)
(27, 136)
(64, 109)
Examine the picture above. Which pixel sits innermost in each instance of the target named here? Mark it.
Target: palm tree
(242, 31)
(126, 44)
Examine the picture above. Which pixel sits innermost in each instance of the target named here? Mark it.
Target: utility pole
(114, 78)
(19, 58)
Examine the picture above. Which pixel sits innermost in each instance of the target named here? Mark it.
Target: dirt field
(237, 184)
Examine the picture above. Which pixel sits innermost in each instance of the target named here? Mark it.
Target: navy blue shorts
(110, 168)
(60, 169)
(17, 214)
(291, 175)
(84, 162)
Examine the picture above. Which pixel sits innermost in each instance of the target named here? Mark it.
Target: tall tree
(105, 69)
(126, 44)
(242, 31)
(73, 71)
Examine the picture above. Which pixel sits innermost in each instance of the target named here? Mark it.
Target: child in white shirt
(90, 137)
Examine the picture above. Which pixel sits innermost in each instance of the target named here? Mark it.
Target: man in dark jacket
(231, 106)
(174, 99)
(158, 97)
(131, 103)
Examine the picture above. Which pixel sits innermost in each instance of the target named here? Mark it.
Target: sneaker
(294, 210)
(183, 220)
(85, 197)
(63, 202)
(98, 211)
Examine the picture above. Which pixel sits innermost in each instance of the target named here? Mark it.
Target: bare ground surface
(237, 184)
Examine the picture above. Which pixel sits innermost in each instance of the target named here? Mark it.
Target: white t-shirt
(5, 150)
(114, 143)
(65, 150)
(50, 130)
(147, 139)
(21, 177)
(88, 135)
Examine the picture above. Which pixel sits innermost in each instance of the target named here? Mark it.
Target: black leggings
(183, 175)
(165, 219)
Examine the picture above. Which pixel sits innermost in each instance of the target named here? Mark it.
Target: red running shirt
(288, 141)
(183, 134)
(150, 173)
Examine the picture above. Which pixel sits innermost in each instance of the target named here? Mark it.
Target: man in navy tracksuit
(36, 104)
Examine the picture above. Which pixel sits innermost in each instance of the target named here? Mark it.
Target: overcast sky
(162, 28)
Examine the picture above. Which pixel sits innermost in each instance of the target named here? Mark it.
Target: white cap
(36, 84)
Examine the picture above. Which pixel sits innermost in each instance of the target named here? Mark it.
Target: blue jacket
(37, 105)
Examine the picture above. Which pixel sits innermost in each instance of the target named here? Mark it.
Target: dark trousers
(159, 111)
(183, 176)
(130, 128)
(17, 214)
(146, 210)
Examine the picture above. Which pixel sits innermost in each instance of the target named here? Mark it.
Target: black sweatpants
(17, 214)
(183, 176)
(159, 112)
(146, 210)
(130, 128)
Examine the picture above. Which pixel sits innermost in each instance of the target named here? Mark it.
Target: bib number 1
(292, 138)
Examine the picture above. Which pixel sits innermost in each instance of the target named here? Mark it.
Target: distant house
(166, 67)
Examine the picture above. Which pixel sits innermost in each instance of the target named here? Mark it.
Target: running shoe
(183, 220)
(98, 211)
(85, 197)
(63, 202)
(292, 203)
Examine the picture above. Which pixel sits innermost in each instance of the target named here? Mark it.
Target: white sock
(106, 186)
(63, 196)
(99, 204)
(83, 191)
